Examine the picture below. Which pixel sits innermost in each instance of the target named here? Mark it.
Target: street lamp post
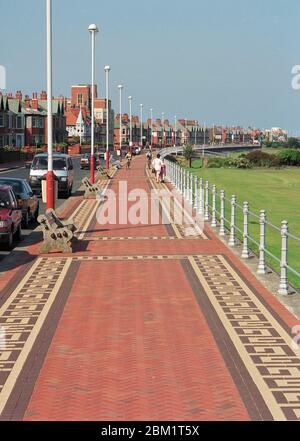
(163, 129)
(107, 70)
(151, 116)
(130, 124)
(120, 87)
(50, 175)
(141, 106)
(175, 130)
(195, 133)
(93, 30)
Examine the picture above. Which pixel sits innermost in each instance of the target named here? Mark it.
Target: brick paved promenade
(143, 323)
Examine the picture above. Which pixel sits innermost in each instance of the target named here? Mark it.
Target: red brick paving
(134, 346)
(132, 343)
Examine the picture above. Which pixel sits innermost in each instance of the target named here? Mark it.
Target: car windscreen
(16, 185)
(4, 199)
(41, 163)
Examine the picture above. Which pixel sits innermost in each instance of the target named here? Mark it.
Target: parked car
(85, 160)
(62, 167)
(10, 216)
(25, 198)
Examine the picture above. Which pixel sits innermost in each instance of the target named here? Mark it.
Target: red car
(10, 216)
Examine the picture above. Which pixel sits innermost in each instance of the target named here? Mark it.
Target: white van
(62, 167)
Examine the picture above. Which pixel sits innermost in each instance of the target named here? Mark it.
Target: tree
(293, 143)
(188, 154)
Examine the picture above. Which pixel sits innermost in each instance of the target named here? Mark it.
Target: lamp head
(130, 98)
(93, 28)
(120, 86)
(106, 68)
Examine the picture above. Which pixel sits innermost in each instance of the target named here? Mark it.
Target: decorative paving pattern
(147, 257)
(262, 343)
(22, 317)
(112, 238)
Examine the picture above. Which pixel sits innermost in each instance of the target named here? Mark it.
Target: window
(19, 122)
(1, 141)
(1, 120)
(33, 121)
(79, 99)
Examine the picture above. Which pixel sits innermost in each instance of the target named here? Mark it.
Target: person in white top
(157, 163)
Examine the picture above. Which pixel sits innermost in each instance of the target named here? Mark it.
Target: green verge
(275, 190)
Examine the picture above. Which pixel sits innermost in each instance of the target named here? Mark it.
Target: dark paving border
(250, 395)
(18, 401)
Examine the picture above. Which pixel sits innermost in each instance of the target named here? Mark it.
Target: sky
(216, 61)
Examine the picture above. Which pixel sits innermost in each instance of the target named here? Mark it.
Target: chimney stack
(19, 95)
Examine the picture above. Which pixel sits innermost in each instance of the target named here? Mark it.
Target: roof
(57, 155)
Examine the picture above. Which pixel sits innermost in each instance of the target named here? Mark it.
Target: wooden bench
(58, 236)
(90, 190)
(103, 172)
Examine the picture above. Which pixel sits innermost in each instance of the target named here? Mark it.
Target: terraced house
(24, 122)
(12, 122)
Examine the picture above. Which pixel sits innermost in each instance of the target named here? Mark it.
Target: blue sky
(216, 61)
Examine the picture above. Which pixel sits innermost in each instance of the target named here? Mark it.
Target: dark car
(10, 216)
(25, 198)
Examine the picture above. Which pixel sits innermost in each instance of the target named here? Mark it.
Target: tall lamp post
(151, 116)
(120, 87)
(195, 132)
(163, 129)
(141, 106)
(130, 124)
(107, 70)
(175, 130)
(93, 30)
(50, 174)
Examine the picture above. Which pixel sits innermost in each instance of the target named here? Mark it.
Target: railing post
(262, 243)
(232, 238)
(245, 252)
(284, 287)
(181, 180)
(206, 209)
(191, 188)
(196, 192)
(201, 198)
(214, 214)
(185, 183)
(222, 231)
(188, 186)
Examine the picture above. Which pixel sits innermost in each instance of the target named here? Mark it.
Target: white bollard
(222, 231)
(284, 287)
(206, 208)
(201, 198)
(262, 243)
(214, 213)
(245, 252)
(196, 191)
(232, 238)
(191, 188)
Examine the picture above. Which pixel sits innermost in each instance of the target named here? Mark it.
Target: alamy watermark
(139, 207)
(2, 77)
(296, 339)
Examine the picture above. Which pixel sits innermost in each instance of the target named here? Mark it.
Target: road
(24, 173)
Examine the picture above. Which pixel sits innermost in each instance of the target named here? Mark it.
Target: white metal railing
(203, 197)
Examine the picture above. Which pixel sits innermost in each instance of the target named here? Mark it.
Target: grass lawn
(275, 190)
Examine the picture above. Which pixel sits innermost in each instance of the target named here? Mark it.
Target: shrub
(242, 163)
(290, 157)
(259, 158)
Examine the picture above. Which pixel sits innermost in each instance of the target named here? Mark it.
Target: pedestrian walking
(149, 159)
(156, 163)
(128, 160)
(163, 171)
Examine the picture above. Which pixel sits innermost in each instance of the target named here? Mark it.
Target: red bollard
(92, 169)
(50, 189)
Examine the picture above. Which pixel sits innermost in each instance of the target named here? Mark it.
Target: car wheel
(25, 220)
(19, 233)
(9, 242)
(36, 213)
